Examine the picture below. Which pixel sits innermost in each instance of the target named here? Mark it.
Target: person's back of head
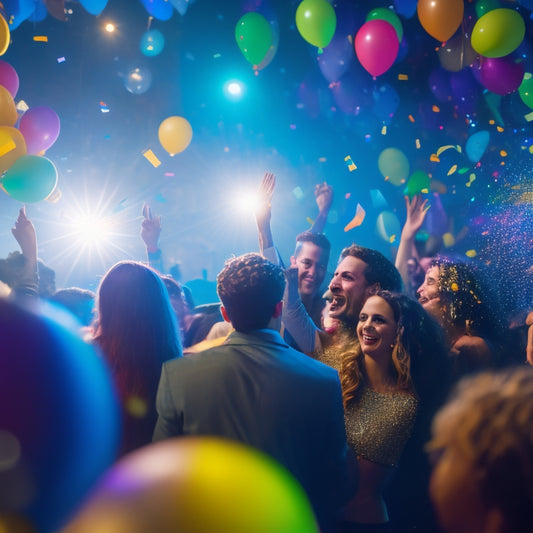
(484, 439)
(249, 288)
(80, 302)
(379, 269)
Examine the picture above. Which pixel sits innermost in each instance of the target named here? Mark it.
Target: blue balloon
(159, 9)
(152, 43)
(138, 80)
(406, 8)
(94, 7)
(18, 11)
(476, 145)
(388, 227)
(180, 5)
(40, 12)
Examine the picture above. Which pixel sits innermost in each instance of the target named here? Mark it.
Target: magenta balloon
(376, 46)
(9, 78)
(40, 128)
(501, 75)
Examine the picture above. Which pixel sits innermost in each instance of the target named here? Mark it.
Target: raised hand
(150, 229)
(416, 213)
(24, 233)
(264, 199)
(324, 197)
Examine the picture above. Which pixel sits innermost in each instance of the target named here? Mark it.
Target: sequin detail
(379, 425)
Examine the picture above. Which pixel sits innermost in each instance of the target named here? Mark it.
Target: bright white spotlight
(234, 90)
(109, 27)
(246, 202)
(90, 229)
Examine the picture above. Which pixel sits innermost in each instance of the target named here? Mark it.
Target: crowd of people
(348, 387)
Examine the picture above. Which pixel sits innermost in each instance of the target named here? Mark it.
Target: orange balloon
(175, 134)
(440, 18)
(8, 110)
(12, 146)
(5, 36)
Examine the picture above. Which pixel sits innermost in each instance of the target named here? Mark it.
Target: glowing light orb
(109, 27)
(234, 90)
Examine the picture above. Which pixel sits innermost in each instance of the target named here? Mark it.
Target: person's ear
(372, 289)
(225, 314)
(293, 261)
(277, 310)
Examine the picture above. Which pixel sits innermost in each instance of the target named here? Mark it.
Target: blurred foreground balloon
(159, 9)
(418, 183)
(12, 146)
(152, 43)
(476, 145)
(30, 179)
(200, 485)
(180, 5)
(388, 227)
(456, 53)
(94, 7)
(316, 21)
(501, 75)
(5, 36)
(40, 126)
(254, 37)
(175, 134)
(9, 78)
(498, 32)
(59, 417)
(394, 165)
(376, 46)
(440, 18)
(8, 110)
(138, 80)
(526, 89)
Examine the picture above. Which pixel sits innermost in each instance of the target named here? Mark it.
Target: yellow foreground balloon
(8, 110)
(12, 146)
(196, 485)
(5, 36)
(175, 134)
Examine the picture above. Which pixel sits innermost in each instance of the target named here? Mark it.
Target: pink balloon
(376, 46)
(501, 75)
(9, 78)
(40, 128)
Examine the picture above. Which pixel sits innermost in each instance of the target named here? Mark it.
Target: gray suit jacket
(257, 390)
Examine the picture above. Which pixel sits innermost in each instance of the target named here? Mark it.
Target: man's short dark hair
(249, 288)
(319, 239)
(378, 270)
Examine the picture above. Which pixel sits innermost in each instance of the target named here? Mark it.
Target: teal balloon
(476, 145)
(254, 37)
(418, 183)
(152, 43)
(30, 179)
(388, 227)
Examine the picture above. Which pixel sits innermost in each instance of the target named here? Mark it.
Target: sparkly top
(378, 425)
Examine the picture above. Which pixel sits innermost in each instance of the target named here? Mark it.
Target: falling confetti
(448, 239)
(403, 77)
(60, 59)
(471, 253)
(350, 163)
(40, 38)
(452, 170)
(104, 108)
(357, 220)
(310, 221)
(471, 180)
(152, 158)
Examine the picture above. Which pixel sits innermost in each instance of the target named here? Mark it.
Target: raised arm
(263, 215)
(324, 198)
(416, 213)
(24, 233)
(150, 232)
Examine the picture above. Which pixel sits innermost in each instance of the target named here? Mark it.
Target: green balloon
(484, 6)
(526, 90)
(383, 13)
(419, 182)
(254, 37)
(30, 179)
(316, 21)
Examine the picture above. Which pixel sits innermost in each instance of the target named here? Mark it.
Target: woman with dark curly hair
(393, 380)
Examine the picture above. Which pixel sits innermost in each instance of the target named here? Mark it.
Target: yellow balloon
(12, 146)
(8, 110)
(175, 134)
(4, 35)
(196, 485)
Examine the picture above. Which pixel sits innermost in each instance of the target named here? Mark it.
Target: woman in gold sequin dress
(387, 379)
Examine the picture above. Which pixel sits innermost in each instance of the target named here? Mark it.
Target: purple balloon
(501, 75)
(336, 58)
(465, 90)
(352, 94)
(439, 83)
(9, 78)
(40, 128)
(406, 8)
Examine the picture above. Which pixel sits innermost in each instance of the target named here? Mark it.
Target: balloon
(336, 58)
(501, 75)
(316, 21)
(159, 9)
(476, 145)
(200, 484)
(8, 110)
(383, 13)
(456, 53)
(526, 90)
(59, 415)
(180, 5)
(18, 11)
(376, 46)
(175, 134)
(498, 33)
(440, 18)
(418, 183)
(484, 6)
(436, 218)
(40, 127)
(9, 78)
(152, 43)
(465, 90)
(406, 8)
(274, 28)
(254, 37)
(41, 12)
(393, 165)
(439, 83)
(388, 226)
(30, 179)
(94, 7)
(12, 146)
(386, 101)
(5, 36)
(138, 80)
(352, 94)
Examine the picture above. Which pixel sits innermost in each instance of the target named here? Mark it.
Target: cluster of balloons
(27, 176)
(175, 134)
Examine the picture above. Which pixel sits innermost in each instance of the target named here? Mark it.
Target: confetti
(472, 178)
(435, 109)
(434, 158)
(160, 198)
(448, 239)
(60, 59)
(411, 118)
(357, 220)
(378, 200)
(152, 158)
(322, 159)
(22, 106)
(454, 287)
(384, 130)
(40, 38)
(417, 144)
(403, 77)
(452, 170)
(298, 193)
(347, 195)
(503, 153)
(529, 116)
(104, 108)
(216, 56)
(310, 221)
(471, 253)
(499, 128)
(169, 174)
(350, 163)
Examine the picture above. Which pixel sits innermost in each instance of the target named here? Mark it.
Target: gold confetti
(454, 287)
(452, 170)
(417, 143)
(503, 153)
(40, 38)
(152, 158)
(435, 109)
(434, 158)
(350, 163)
(499, 128)
(529, 116)
(472, 178)
(403, 77)
(357, 220)
(448, 239)
(384, 130)
(411, 118)
(471, 253)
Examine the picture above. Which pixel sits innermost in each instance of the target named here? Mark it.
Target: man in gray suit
(257, 390)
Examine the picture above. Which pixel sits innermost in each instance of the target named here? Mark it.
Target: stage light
(109, 27)
(234, 90)
(246, 202)
(90, 229)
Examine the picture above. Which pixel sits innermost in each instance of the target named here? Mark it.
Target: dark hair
(319, 239)
(249, 288)
(378, 270)
(78, 301)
